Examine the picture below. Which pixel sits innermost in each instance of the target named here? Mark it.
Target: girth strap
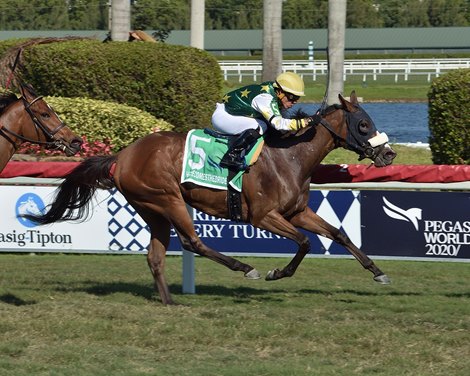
(234, 200)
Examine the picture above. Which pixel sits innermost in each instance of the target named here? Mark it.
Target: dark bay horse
(274, 196)
(31, 119)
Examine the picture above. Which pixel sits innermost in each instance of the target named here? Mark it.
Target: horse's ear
(27, 91)
(349, 106)
(353, 98)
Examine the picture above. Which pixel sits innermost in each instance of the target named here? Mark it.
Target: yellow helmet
(290, 82)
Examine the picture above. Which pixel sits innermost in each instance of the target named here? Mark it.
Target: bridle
(365, 148)
(50, 143)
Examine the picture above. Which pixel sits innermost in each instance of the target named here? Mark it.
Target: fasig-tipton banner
(22, 235)
(416, 224)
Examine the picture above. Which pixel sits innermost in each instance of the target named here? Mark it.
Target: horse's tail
(73, 196)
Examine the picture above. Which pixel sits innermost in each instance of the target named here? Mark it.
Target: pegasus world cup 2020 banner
(416, 224)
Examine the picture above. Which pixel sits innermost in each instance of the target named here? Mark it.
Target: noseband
(51, 142)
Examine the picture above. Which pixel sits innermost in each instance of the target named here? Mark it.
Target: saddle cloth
(201, 162)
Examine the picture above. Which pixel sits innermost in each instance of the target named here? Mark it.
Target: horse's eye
(45, 115)
(364, 127)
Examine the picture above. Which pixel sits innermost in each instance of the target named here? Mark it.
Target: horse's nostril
(390, 155)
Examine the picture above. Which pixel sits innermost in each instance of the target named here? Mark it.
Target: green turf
(383, 89)
(98, 315)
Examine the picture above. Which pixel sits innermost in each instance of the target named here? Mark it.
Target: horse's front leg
(291, 267)
(277, 224)
(310, 221)
(190, 241)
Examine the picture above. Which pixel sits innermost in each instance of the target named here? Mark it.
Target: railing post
(189, 286)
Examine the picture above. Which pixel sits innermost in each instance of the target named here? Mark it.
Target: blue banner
(416, 224)
(340, 208)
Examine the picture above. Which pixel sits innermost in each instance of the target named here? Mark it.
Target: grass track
(97, 315)
(415, 89)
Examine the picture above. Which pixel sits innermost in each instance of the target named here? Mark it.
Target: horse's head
(44, 118)
(362, 136)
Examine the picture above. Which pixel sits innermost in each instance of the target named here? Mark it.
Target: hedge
(176, 83)
(100, 121)
(449, 118)
(8, 43)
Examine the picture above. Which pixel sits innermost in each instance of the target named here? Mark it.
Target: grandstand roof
(380, 39)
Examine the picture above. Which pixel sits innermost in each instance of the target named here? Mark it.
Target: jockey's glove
(313, 120)
(306, 122)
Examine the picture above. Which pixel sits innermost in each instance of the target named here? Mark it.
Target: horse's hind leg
(183, 224)
(159, 241)
(312, 222)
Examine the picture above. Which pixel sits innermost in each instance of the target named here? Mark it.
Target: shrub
(176, 83)
(449, 118)
(107, 127)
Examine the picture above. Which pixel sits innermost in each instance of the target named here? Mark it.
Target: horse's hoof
(271, 276)
(253, 274)
(382, 279)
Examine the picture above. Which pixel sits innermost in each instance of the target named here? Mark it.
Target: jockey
(247, 112)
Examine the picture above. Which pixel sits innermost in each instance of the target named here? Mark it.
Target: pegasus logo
(412, 215)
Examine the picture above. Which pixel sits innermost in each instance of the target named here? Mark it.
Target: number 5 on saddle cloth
(203, 153)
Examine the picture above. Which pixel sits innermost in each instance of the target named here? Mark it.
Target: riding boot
(234, 159)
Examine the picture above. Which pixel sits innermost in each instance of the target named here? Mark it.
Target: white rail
(365, 68)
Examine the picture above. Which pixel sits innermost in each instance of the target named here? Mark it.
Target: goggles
(291, 97)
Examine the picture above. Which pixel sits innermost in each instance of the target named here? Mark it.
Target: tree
(336, 35)
(18, 14)
(168, 15)
(88, 14)
(272, 39)
(443, 13)
(305, 14)
(397, 13)
(362, 14)
(52, 14)
(120, 20)
(161, 15)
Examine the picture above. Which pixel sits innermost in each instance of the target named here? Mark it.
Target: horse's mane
(331, 108)
(280, 139)
(5, 100)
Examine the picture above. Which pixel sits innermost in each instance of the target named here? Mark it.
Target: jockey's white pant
(223, 122)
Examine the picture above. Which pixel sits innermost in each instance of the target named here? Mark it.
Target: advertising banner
(340, 208)
(113, 226)
(416, 224)
(20, 234)
(410, 224)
